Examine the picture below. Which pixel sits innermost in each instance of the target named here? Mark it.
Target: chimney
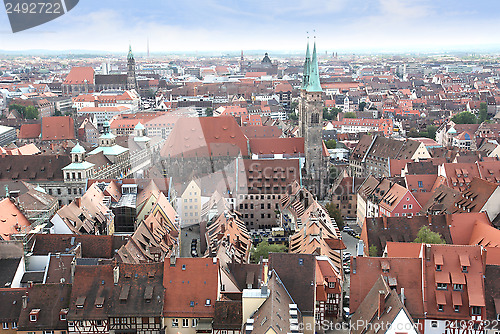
(172, 260)
(403, 296)
(73, 267)
(384, 220)
(263, 290)
(427, 252)
(30, 284)
(25, 300)
(116, 274)
(429, 220)
(381, 303)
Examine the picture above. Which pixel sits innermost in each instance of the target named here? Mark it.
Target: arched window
(315, 118)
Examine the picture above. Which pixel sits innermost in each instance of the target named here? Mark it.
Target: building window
(410, 206)
(5, 325)
(441, 286)
(207, 302)
(476, 310)
(175, 323)
(32, 317)
(438, 267)
(457, 308)
(185, 322)
(404, 206)
(331, 285)
(194, 322)
(441, 308)
(14, 325)
(457, 287)
(464, 269)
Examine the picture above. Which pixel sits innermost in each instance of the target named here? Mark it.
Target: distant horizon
(254, 53)
(275, 26)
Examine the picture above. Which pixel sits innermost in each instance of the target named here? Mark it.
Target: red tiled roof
(78, 75)
(58, 128)
(277, 145)
(408, 274)
(12, 220)
(30, 131)
(205, 136)
(191, 281)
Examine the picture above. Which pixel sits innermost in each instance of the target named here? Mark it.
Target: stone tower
(131, 79)
(310, 126)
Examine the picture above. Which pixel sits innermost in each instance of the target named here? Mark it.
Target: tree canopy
(332, 143)
(464, 117)
(350, 114)
(426, 236)
(483, 112)
(330, 114)
(263, 249)
(28, 112)
(334, 213)
(209, 112)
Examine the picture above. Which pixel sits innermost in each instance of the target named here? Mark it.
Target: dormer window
(457, 287)
(441, 286)
(207, 302)
(441, 308)
(438, 267)
(34, 315)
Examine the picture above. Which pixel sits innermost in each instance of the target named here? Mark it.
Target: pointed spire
(305, 77)
(130, 54)
(314, 83)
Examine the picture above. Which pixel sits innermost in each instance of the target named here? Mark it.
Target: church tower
(310, 126)
(131, 80)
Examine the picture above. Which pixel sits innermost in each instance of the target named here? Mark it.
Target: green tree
(362, 106)
(293, 116)
(334, 213)
(431, 131)
(294, 105)
(373, 251)
(333, 173)
(330, 114)
(332, 143)
(57, 112)
(464, 117)
(31, 112)
(209, 112)
(350, 115)
(425, 235)
(263, 249)
(483, 112)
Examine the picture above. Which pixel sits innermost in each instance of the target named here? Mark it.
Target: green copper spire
(314, 84)
(305, 78)
(130, 54)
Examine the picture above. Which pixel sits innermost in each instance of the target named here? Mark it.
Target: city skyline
(380, 26)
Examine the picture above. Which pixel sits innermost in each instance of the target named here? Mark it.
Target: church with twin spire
(314, 171)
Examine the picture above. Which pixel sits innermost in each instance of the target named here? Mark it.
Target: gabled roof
(452, 258)
(12, 221)
(92, 285)
(228, 315)
(30, 131)
(139, 291)
(204, 137)
(93, 246)
(297, 272)
(368, 311)
(381, 230)
(286, 146)
(190, 284)
(57, 128)
(50, 299)
(407, 272)
(79, 76)
(10, 304)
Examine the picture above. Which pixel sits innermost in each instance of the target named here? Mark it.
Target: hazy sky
(273, 25)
